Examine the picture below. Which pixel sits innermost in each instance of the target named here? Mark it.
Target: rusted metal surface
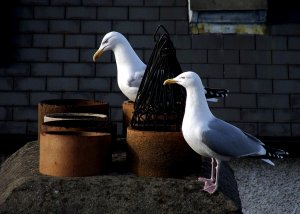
(74, 154)
(70, 105)
(159, 154)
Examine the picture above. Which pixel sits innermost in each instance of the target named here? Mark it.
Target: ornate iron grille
(158, 107)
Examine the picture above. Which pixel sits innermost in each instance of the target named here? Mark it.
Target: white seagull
(130, 69)
(213, 137)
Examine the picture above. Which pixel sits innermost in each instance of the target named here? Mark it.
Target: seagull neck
(198, 101)
(126, 56)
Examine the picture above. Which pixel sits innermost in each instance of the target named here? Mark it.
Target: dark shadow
(8, 32)
(280, 12)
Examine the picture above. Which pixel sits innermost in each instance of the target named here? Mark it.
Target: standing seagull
(130, 69)
(213, 137)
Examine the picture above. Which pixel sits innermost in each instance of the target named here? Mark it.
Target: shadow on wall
(8, 32)
(281, 12)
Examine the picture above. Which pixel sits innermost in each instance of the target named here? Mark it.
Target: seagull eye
(105, 41)
(182, 77)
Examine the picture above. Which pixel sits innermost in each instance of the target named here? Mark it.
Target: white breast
(192, 134)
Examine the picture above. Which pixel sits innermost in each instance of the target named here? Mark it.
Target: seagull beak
(98, 53)
(169, 81)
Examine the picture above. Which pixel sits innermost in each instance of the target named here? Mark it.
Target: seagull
(212, 137)
(130, 68)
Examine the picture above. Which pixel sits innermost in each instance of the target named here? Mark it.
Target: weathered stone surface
(24, 190)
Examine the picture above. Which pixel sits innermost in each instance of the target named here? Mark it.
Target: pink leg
(212, 174)
(212, 186)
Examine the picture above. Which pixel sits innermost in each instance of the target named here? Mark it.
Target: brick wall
(55, 41)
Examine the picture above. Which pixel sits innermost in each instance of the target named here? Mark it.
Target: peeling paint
(259, 29)
(236, 17)
(225, 17)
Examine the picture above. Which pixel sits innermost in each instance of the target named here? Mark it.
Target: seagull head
(109, 42)
(186, 79)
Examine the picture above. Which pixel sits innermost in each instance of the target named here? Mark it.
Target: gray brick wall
(56, 39)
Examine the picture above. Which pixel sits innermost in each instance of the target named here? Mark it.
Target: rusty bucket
(81, 126)
(70, 106)
(160, 154)
(128, 108)
(74, 153)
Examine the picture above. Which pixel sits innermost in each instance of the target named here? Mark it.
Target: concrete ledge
(22, 188)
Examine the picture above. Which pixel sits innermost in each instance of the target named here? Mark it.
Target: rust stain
(198, 28)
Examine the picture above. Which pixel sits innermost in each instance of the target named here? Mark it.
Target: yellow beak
(98, 53)
(169, 81)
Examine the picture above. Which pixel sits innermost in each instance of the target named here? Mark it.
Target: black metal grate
(158, 107)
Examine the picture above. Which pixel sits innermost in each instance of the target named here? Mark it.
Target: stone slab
(24, 189)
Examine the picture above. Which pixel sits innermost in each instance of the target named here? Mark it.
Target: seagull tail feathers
(275, 153)
(268, 161)
(215, 92)
(214, 100)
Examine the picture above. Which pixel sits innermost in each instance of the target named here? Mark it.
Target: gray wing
(228, 140)
(136, 79)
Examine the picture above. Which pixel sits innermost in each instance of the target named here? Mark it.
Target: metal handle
(156, 32)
